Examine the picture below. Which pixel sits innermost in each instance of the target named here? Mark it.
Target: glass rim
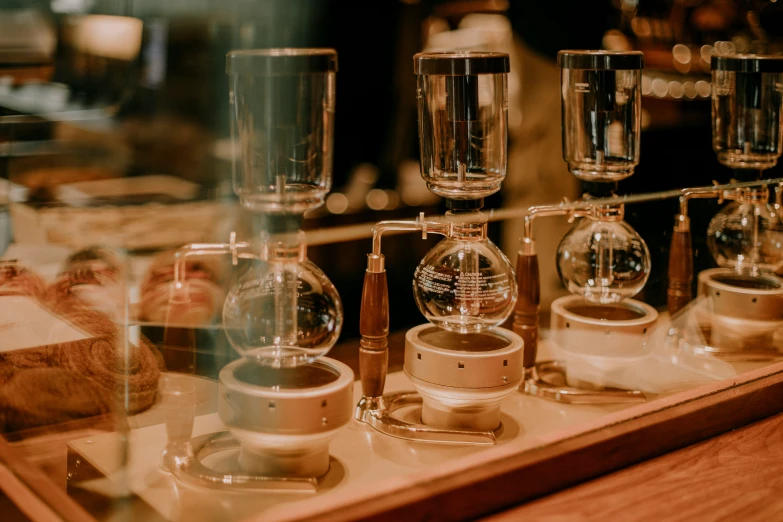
(460, 63)
(281, 61)
(600, 60)
(747, 63)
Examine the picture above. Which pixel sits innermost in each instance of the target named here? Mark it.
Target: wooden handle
(374, 328)
(526, 310)
(679, 293)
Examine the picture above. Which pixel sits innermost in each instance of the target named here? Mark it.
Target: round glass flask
(605, 261)
(283, 311)
(747, 237)
(465, 283)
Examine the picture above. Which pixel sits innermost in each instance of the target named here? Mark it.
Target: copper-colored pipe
(679, 292)
(374, 314)
(374, 328)
(526, 310)
(680, 288)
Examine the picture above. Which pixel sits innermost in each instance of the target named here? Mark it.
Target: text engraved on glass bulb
(433, 281)
(266, 287)
(479, 286)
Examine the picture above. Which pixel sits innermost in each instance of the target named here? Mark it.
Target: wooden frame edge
(22, 480)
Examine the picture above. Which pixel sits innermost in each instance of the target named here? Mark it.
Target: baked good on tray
(201, 300)
(85, 289)
(42, 396)
(99, 259)
(18, 280)
(92, 372)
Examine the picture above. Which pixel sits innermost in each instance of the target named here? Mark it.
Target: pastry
(43, 396)
(18, 280)
(86, 289)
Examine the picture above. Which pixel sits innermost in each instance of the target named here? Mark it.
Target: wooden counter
(736, 473)
(734, 476)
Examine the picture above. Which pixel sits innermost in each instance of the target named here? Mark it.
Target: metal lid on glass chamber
(600, 60)
(259, 62)
(460, 63)
(747, 63)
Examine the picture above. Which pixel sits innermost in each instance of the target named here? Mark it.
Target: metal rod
(366, 230)
(206, 249)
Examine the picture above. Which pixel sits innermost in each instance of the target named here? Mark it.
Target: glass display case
(224, 322)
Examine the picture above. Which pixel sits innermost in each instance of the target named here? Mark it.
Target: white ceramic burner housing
(598, 340)
(462, 378)
(742, 312)
(284, 418)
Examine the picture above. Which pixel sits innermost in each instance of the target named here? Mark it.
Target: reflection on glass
(283, 313)
(747, 237)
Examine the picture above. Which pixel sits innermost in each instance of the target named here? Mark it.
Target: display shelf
(544, 446)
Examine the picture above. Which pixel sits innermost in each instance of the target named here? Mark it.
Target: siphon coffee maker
(739, 310)
(460, 362)
(602, 261)
(282, 401)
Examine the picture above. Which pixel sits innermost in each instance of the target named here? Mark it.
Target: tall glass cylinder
(747, 97)
(463, 122)
(601, 103)
(282, 119)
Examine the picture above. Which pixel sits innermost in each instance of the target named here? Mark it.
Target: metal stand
(378, 413)
(691, 333)
(547, 380)
(185, 462)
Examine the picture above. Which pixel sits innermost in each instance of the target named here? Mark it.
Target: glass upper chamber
(746, 104)
(465, 283)
(463, 120)
(601, 112)
(282, 120)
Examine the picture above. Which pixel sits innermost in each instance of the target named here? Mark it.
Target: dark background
(186, 109)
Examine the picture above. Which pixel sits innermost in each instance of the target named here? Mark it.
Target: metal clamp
(184, 461)
(378, 413)
(547, 380)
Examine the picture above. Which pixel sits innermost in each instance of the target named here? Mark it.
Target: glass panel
(72, 366)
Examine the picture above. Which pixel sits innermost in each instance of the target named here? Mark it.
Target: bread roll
(18, 280)
(85, 289)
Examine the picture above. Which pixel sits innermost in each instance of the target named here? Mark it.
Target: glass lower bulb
(465, 286)
(283, 314)
(603, 261)
(747, 237)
